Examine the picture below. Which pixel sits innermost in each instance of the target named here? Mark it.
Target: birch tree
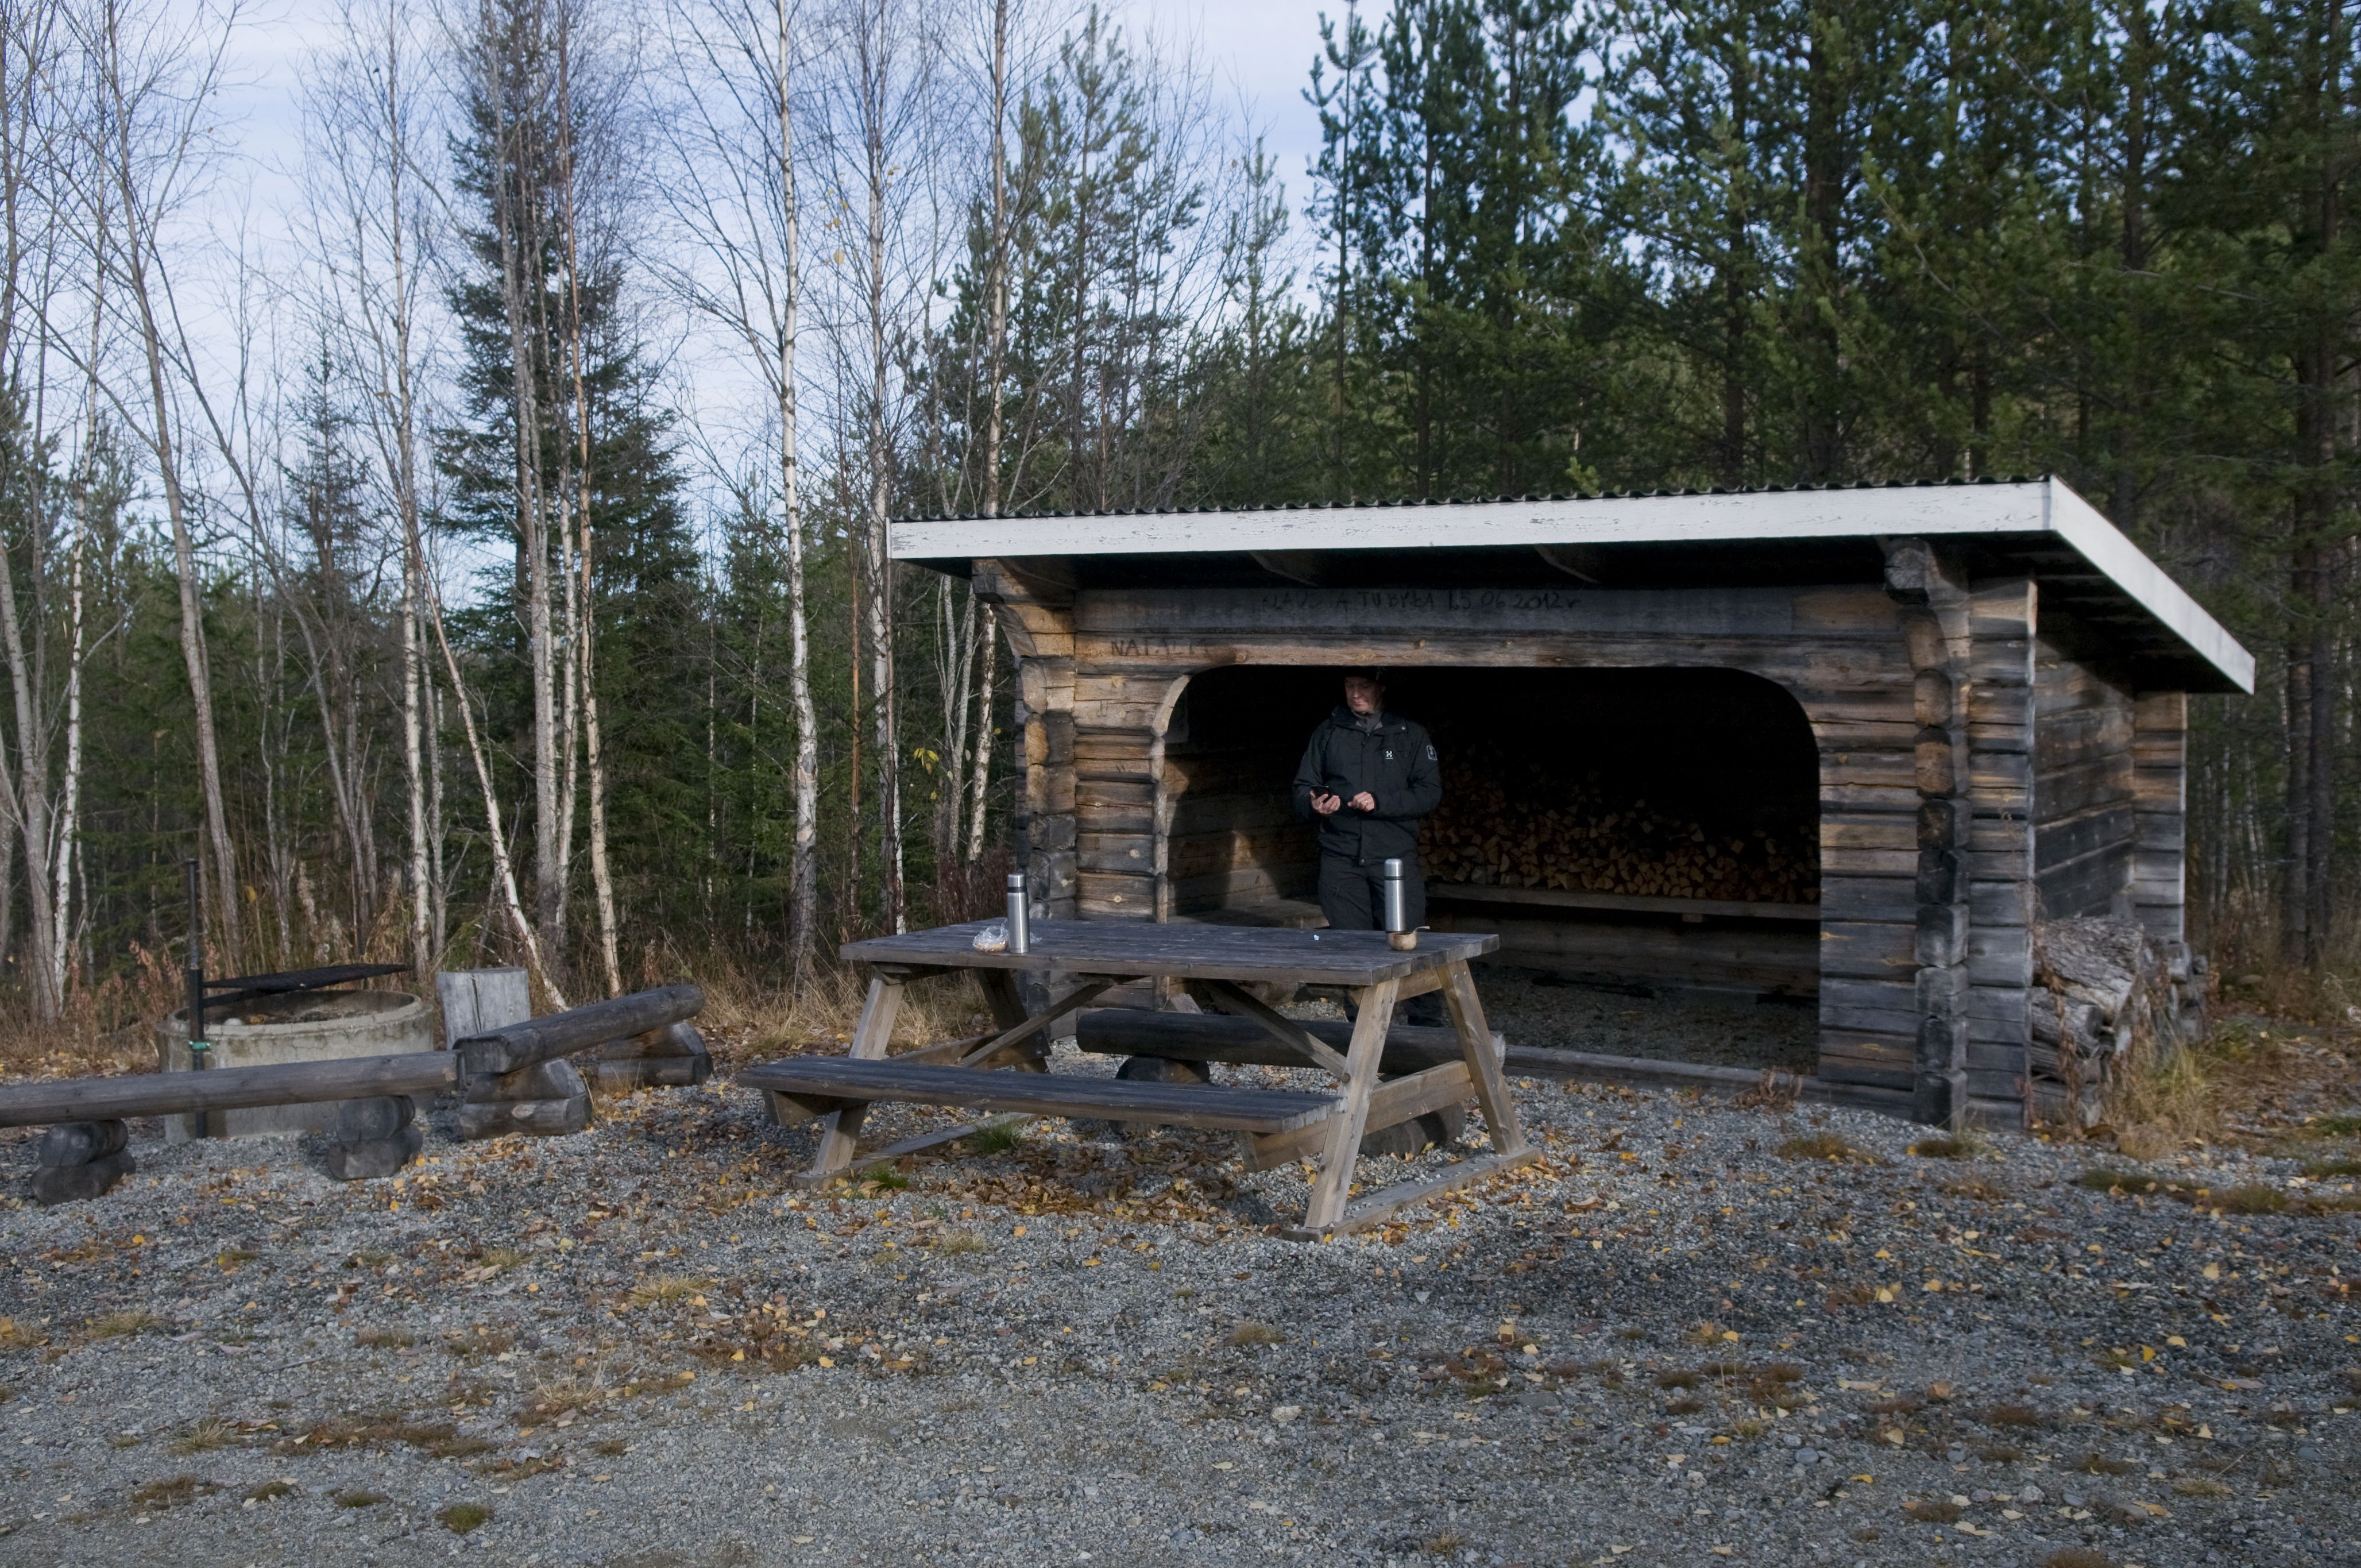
(733, 187)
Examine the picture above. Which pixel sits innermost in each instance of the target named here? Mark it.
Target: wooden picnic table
(1082, 961)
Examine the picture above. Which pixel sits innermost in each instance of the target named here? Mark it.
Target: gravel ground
(1684, 1338)
(1720, 1027)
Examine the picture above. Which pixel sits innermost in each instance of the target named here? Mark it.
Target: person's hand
(1324, 804)
(1364, 801)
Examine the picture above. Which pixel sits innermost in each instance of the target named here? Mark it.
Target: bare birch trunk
(586, 613)
(880, 608)
(140, 262)
(503, 868)
(511, 220)
(803, 863)
(996, 365)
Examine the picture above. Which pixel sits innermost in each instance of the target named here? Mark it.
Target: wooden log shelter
(1839, 746)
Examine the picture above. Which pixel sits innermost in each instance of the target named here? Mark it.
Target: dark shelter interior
(1626, 831)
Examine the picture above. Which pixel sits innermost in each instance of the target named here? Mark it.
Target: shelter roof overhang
(2110, 591)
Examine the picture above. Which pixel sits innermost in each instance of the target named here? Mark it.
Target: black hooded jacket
(1395, 763)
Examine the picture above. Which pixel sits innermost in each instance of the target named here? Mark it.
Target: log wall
(2160, 814)
(2084, 800)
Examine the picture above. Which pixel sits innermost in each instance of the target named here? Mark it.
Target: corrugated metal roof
(2041, 512)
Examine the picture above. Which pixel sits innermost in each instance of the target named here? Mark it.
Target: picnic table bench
(1008, 1070)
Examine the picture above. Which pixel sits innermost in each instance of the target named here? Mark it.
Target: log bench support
(374, 1137)
(673, 1057)
(81, 1159)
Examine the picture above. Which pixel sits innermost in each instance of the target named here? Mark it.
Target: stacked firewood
(1507, 823)
(2108, 1002)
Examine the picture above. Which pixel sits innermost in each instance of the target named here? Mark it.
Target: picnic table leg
(1475, 1045)
(1334, 1188)
(1001, 993)
(841, 1130)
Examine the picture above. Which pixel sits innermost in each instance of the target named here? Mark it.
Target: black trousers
(1353, 897)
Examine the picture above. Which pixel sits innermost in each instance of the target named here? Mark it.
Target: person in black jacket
(1367, 777)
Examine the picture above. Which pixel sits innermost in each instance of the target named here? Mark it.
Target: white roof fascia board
(2034, 507)
(2103, 544)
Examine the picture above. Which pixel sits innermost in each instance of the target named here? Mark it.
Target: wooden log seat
(1244, 1042)
(819, 1085)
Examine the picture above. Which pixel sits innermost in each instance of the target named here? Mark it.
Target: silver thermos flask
(1020, 916)
(1398, 931)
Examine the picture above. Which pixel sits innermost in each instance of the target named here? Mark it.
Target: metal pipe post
(198, 1047)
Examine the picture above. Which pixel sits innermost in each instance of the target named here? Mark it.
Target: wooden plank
(514, 1047)
(1840, 860)
(1890, 899)
(1341, 1150)
(2070, 839)
(477, 1002)
(1081, 996)
(1243, 885)
(1310, 1050)
(1868, 949)
(1382, 1206)
(1395, 1101)
(1765, 957)
(840, 1132)
(226, 1089)
(1217, 1038)
(1119, 852)
(2001, 903)
(922, 1142)
(1209, 1107)
(2083, 787)
(1565, 898)
(2000, 955)
(1091, 947)
(1500, 1118)
(1109, 895)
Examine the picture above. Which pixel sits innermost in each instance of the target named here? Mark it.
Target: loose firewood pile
(1508, 821)
(2108, 1001)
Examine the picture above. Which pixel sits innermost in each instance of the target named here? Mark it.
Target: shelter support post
(2004, 711)
(1933, 615)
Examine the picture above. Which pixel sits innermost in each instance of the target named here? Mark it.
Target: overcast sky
(1259, 51)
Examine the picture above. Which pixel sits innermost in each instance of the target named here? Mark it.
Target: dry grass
(122, 1326)
(1254, 1333)
(999, 1138)
(2077, 1557)
(2018, 1417)
(461, 1518)
(354, 1497)
(749, 1018)
(1962, 1148)
(213, 1431)
(664, 1287)
(951, 1243)
(153, 1497)
(20, 1336)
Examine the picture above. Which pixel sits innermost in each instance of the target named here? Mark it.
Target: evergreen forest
(477, 554)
